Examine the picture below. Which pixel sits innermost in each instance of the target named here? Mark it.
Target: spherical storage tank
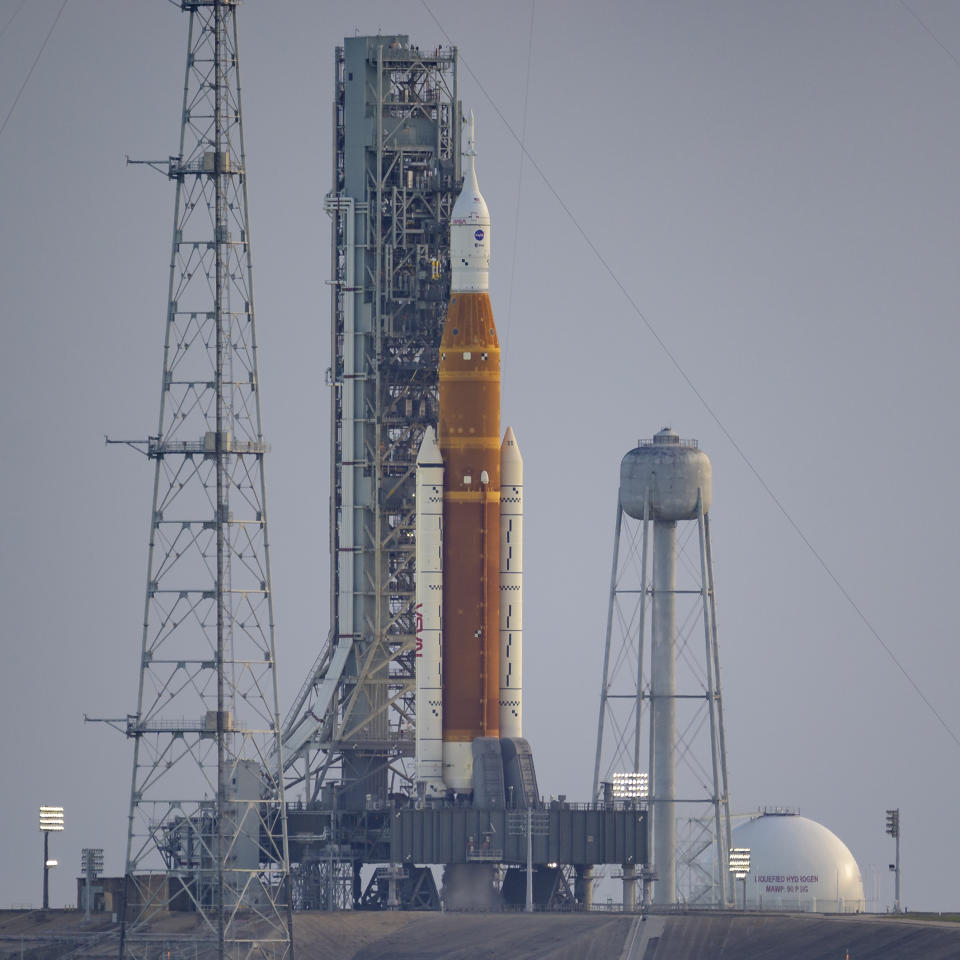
(672, 471)
(798, 864)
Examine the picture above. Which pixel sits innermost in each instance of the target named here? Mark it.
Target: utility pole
(529, 824)
(91, 864)
(529, 904)
(51, 821)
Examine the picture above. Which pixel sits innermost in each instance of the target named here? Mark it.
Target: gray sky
(775, 186)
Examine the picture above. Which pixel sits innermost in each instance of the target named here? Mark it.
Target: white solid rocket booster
(511, 587)
(429, 609)
(429, 603)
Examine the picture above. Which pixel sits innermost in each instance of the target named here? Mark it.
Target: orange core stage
(468, 435)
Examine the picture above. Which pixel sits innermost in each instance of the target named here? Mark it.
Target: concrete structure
(409, 936)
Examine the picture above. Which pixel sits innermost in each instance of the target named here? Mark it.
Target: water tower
(665, 489)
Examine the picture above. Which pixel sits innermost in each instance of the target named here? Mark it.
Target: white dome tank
(673, 470)
(798, 864)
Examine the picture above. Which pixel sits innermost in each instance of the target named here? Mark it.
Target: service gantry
(396, 174)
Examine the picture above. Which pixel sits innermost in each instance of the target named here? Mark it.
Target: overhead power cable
(703, 401)
(36, 60)
(516, 220)
(913, 13)
(13, 16)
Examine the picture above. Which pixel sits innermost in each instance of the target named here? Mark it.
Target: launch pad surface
(362, 935)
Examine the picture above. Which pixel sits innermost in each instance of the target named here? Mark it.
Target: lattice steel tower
(207, 827)
(396, 172)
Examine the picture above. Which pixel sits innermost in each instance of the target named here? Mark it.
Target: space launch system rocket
(469, 534)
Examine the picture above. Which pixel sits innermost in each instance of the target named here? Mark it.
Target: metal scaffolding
(207, 827)
(396, 171)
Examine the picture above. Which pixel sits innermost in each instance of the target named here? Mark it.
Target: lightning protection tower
(664, 497)
(207, 826)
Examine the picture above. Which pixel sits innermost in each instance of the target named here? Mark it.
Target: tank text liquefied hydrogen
(469, 541)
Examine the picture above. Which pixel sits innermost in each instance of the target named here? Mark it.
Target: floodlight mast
(893, 829)
(51, 821)
(528, 824)
(91, 865)
(740, 867)
(631, 786)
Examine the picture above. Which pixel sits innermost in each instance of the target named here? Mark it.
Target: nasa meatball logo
(478, 236)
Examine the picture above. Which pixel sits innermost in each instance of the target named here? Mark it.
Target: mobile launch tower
(396, 176)
(412, 350)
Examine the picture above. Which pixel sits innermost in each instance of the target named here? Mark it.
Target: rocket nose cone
(510, 449)
(429, 450)
(511, 463)
(470, 207)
